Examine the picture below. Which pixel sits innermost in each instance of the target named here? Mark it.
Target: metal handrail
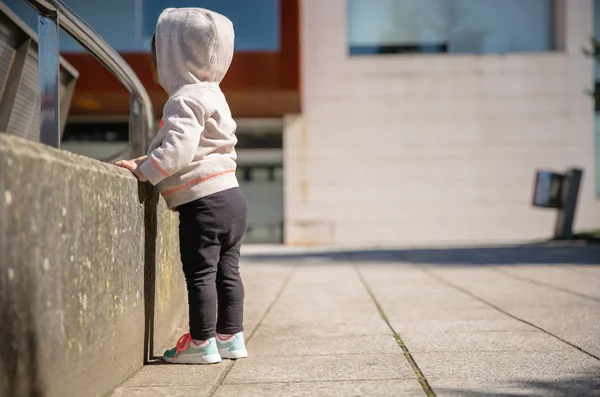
(54, 14)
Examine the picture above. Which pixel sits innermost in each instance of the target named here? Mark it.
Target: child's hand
(134, 167)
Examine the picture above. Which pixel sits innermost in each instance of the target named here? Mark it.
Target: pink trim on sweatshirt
(154, 163)
(195, 181)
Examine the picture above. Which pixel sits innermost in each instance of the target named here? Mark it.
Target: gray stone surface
(324, 300)
(479, 341)
(320, 368)
(324, 334)
(461, 326)
(572, 318)
(381, 388)
(493, 286)
(408, 294)
(262, 284)
(585, 270)
(316, 331)
(325, 323)
(89, 275)
(579, 324)
(559, 387)
(556, 277)
(490, 365)
(158, 375)
(266, 344)
(453, 335)
(162, 391)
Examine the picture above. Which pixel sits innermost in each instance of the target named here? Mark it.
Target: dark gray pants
(210, 236)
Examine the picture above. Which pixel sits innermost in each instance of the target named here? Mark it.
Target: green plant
(594, 52)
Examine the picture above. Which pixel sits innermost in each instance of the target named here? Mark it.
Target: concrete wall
(411, 149)
(90, 280)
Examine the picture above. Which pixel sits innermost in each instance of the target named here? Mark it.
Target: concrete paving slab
(203, 376)
(416, 315)
(572, 318)
(461, 326)
(164, 391)
(501, 289)
(579, 325)
(422, 295)
(386, 388)
(586, 270)
(265, 344)
(424, 300)
(517, 341)
(320, 368)
(317, 302)
(263, 281)
(176, 380)
(331, 325)
(557, 277)
(550, 365)
(560, 387)
(301, 310)
(463, 346)
(426, 303)
(314, 296)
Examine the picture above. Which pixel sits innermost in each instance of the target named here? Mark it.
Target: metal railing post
(48, 59)
(566, 213)
(142, 113)
(136, 128)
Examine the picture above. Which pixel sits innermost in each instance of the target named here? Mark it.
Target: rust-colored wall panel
(258, 84)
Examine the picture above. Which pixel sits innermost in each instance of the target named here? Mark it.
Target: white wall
(429, 149)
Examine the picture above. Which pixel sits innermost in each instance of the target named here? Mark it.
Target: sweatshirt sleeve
(184, 121)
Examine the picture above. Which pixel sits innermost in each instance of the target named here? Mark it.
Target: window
(128, 25)
(449, 26)
(114, 20)
(256, 22)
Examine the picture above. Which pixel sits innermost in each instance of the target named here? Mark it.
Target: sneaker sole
(194, 359)
(233, 355)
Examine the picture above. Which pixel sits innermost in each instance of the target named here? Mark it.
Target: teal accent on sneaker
(234, 348)
(187, 352)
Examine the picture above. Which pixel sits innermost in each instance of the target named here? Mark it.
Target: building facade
(402, 141)
(387, 122)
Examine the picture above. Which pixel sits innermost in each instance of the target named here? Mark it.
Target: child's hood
(193, 45)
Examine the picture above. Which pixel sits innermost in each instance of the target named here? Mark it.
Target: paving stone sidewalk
(511, 321)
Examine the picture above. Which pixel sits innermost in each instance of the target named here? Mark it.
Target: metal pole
(90, 40)
(137, 138)
(48, 54)
(566, 214)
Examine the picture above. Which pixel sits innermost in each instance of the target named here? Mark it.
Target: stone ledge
(89, 272)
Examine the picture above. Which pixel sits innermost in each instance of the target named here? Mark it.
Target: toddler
(192, 162)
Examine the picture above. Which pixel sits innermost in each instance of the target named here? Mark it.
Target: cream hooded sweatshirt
(193, 154)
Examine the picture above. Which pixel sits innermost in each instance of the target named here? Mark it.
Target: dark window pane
(256, 22)
(106, 132)
(396, 26)
(455, 26)
(491, 26)
(260, 141)
(114, 20)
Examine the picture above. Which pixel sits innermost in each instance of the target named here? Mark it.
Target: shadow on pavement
(581, 385)
(533, 254)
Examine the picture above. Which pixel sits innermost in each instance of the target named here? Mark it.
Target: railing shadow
(18, 338)
(149, 197)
